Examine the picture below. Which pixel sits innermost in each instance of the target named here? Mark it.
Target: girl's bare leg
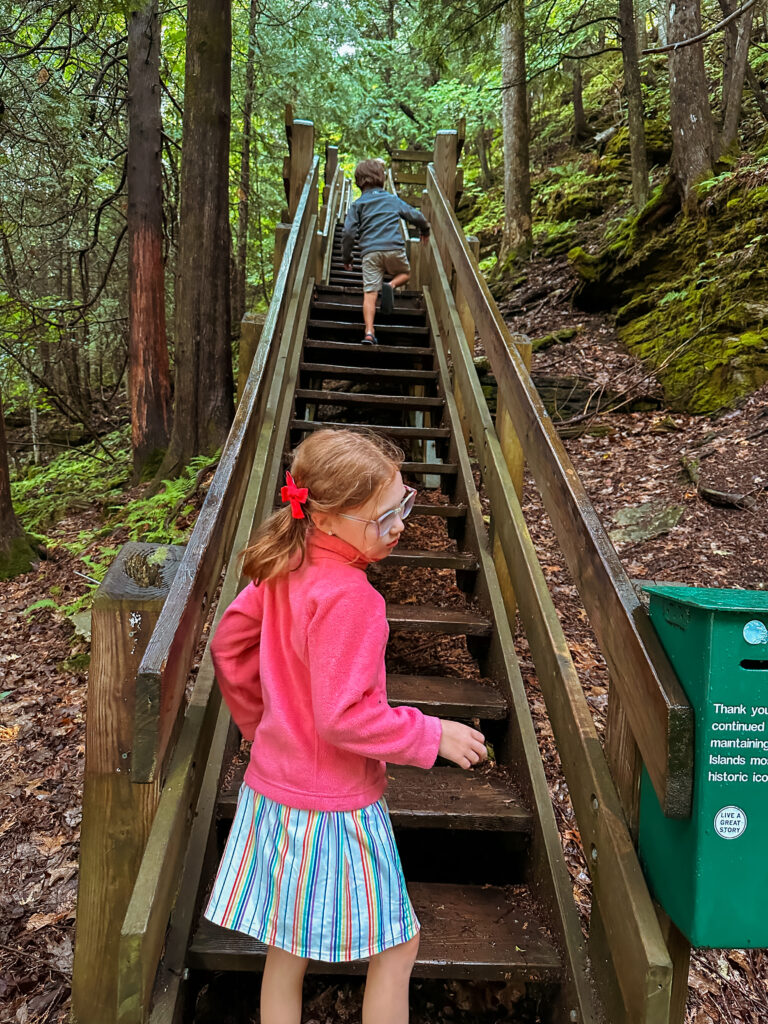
(281, 987)
(386, 987)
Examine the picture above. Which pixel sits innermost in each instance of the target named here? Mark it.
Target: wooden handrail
(331, 208)
(167, 661)
(657, 709)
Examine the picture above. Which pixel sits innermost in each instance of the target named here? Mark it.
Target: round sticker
(730, 822)
(756, 632)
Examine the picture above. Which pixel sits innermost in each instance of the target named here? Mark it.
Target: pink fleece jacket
(300, 662)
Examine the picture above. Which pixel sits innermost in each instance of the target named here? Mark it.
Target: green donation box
(710, 871)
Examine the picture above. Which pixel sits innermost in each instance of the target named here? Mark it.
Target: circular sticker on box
(756, 632)
(730, 822)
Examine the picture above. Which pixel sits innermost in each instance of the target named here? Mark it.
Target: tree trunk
(730, 38)
(514, 109)
(634, 93)
(16, 556)
(486, 178)
(731, 101)
(761, 97)
(693, 145)
(238, 291)
(580, 130)
(641, 24)
(203, 401)
(149, 380)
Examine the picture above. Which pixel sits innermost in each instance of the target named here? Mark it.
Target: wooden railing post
(515, 460)
(301, 141)
(250, 332)
(331, 163)
(117, 814)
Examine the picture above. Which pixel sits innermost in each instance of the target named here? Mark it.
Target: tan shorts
(377, 264)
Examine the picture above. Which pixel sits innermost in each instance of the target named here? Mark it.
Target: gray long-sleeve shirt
(373, 220)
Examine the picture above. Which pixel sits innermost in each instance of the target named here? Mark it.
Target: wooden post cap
(140, 574)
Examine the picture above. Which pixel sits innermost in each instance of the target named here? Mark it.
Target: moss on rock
(17, 558)
(692, 294)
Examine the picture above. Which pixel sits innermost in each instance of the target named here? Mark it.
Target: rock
(642, 522)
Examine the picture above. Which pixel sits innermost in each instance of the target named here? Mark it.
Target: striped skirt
(327, 885)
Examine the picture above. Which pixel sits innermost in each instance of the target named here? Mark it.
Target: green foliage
(79, 477)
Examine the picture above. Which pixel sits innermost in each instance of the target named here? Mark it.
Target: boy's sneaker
(387, 298)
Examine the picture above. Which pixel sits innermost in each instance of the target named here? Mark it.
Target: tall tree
(149, 372)
(693, 136)
(203, 399)
(514, 91)
(16, 555)
(244, 189)
(632, 87)
(738, 35)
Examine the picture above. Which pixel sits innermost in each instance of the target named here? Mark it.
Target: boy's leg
(373, 272)
(401, 279)
(386, 987)
(369, 310)
(281, 987)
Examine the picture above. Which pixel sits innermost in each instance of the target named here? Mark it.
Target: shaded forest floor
(626, 460)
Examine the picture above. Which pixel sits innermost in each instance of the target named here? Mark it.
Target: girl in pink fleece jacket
(310, 867)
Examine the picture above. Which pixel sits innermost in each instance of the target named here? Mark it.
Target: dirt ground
(626, 461)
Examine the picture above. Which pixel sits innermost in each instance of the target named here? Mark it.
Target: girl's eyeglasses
(386, 520)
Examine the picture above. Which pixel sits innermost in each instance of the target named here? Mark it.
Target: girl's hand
(461, 744)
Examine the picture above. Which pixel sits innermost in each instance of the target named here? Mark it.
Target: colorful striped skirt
(327, 885)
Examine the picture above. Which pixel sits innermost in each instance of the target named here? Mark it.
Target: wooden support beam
(117, 813)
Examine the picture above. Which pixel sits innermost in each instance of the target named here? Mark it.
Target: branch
(703, 35)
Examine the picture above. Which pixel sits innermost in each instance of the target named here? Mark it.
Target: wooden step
(445, 797)
(446, 696)
(421, 433)
(339, 292)
(472, 932)
(330, 306)
(372, 350)
(442, 511)
(337, 372)
(434, 559)
(346, 325)
(430, 619)
(426, 468)
(355, 398)
(450, 797)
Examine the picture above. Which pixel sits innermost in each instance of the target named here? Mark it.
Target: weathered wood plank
(659, 712)
(358, 398)
(428, 619)
(432, 433)
(468, 932)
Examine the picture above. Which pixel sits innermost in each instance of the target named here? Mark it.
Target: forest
(615, 174)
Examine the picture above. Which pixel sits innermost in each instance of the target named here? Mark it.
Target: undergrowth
(83, 478)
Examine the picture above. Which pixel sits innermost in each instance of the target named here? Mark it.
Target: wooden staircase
(480, 848)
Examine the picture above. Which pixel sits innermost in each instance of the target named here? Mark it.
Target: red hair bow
(296, 495)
